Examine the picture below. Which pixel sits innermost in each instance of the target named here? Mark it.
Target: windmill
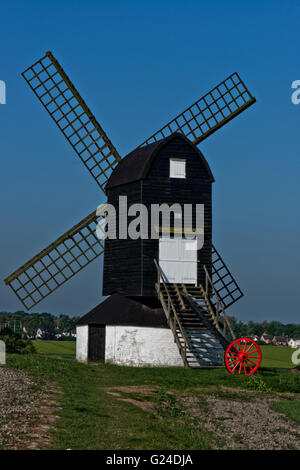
(79, 246)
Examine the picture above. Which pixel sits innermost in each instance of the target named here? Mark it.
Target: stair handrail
(208, 281)
(170, 302)
(160, 276)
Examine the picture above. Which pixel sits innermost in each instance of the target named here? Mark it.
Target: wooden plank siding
(128, 264)
(122, 258)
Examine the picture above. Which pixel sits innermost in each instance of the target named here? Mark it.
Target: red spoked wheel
(243, 356)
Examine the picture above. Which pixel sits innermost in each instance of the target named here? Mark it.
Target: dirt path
(240, 419)
(244, 421)
(27, 411)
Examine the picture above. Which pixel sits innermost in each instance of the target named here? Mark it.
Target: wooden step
(203, 350)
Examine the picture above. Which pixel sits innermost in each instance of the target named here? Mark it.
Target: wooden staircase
(198, 321)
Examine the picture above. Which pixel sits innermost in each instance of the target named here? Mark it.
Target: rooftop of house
(120, 310)
(266, 336)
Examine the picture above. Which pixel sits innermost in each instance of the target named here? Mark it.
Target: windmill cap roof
(136, 164)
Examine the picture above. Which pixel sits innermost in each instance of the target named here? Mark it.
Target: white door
(178, 260)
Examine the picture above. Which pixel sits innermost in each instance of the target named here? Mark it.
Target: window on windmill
(177, 168)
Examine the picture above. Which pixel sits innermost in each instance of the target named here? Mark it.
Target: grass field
(276, 356)
(59, 348)
(272, 356)
(93, 418)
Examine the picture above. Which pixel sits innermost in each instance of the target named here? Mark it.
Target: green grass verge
(289, 408)
(277, 356)
(93, 419)
(272, 356)
(55, 347)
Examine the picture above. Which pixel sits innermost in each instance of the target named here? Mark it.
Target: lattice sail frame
(209, 113)
(60, 261)
(62, 101)
(228, 289)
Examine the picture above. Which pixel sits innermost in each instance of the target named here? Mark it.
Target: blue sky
(137, 65)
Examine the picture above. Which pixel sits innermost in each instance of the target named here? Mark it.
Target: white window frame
(172, 172)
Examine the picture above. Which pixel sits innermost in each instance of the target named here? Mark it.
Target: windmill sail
(68, 110)
(209, 113)
(57, 263)
(78, 247)
(225, 284)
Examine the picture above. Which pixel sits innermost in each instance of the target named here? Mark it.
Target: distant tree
(47, 321)
(66, 323)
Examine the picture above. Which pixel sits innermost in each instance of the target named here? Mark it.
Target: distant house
(266, 338)
(253, 337)
(39, 333)
(294, 343)
(58, 333)
(279, 341)
(66, 333)
(44, 333)
(26, 333)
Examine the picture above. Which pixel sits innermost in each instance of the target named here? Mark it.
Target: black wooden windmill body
(190, 304)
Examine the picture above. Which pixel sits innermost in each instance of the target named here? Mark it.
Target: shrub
(255, 382)
(14, 344)
(28, 348)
